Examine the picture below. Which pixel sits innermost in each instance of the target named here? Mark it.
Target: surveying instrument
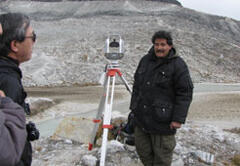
(113, 51)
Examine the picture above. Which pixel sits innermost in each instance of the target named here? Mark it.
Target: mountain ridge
(71, 38)
(166, 1)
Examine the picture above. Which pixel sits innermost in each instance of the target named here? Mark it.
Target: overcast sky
(229, 8)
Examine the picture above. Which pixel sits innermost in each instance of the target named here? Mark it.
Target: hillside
(71, 38)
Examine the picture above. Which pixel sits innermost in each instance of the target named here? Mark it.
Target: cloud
(229, 8)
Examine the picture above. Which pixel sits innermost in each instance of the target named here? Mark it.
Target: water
(48, 127)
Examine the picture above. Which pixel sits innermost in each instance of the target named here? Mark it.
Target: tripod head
(114, 50)
(113, 65)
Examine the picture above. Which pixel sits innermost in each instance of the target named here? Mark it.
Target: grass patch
(233, 130)
(236, 160)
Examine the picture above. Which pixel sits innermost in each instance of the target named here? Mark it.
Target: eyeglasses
(33, 37)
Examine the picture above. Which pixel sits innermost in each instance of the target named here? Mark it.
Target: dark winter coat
(162, 92)
(10, 83)
(12, 132)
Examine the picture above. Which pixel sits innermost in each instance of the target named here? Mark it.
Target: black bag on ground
(128, 130)
(129, 127)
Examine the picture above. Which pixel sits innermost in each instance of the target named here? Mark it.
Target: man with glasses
(16, 44)
(162, 93)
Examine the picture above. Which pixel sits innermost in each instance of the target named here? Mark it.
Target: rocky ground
(210, 136)
(198, 145)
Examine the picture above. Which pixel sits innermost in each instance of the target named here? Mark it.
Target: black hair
(14, 27)
(163, 35)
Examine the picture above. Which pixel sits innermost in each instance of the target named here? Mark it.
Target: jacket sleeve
(135, 92)
(183, 88)
(12, 132)
(11, 88)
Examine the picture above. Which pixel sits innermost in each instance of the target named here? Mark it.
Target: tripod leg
(107, 120)
(97, 120)
(125, 83)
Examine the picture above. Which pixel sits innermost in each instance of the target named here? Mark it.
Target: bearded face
(161, 47)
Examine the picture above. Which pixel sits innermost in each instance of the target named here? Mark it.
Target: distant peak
(165, 1)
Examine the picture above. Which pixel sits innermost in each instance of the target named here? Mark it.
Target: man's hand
(2, 94)
(175, 125)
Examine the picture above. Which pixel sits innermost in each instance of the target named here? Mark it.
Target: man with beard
(16, 43)
(162, 93)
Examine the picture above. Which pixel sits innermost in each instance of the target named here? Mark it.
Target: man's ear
(13, 46)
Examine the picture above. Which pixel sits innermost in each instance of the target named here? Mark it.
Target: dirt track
(220, 109)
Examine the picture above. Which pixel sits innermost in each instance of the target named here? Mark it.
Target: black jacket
(162, 92)
(10, 83)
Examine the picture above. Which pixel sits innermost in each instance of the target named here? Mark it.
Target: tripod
(106, 105)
